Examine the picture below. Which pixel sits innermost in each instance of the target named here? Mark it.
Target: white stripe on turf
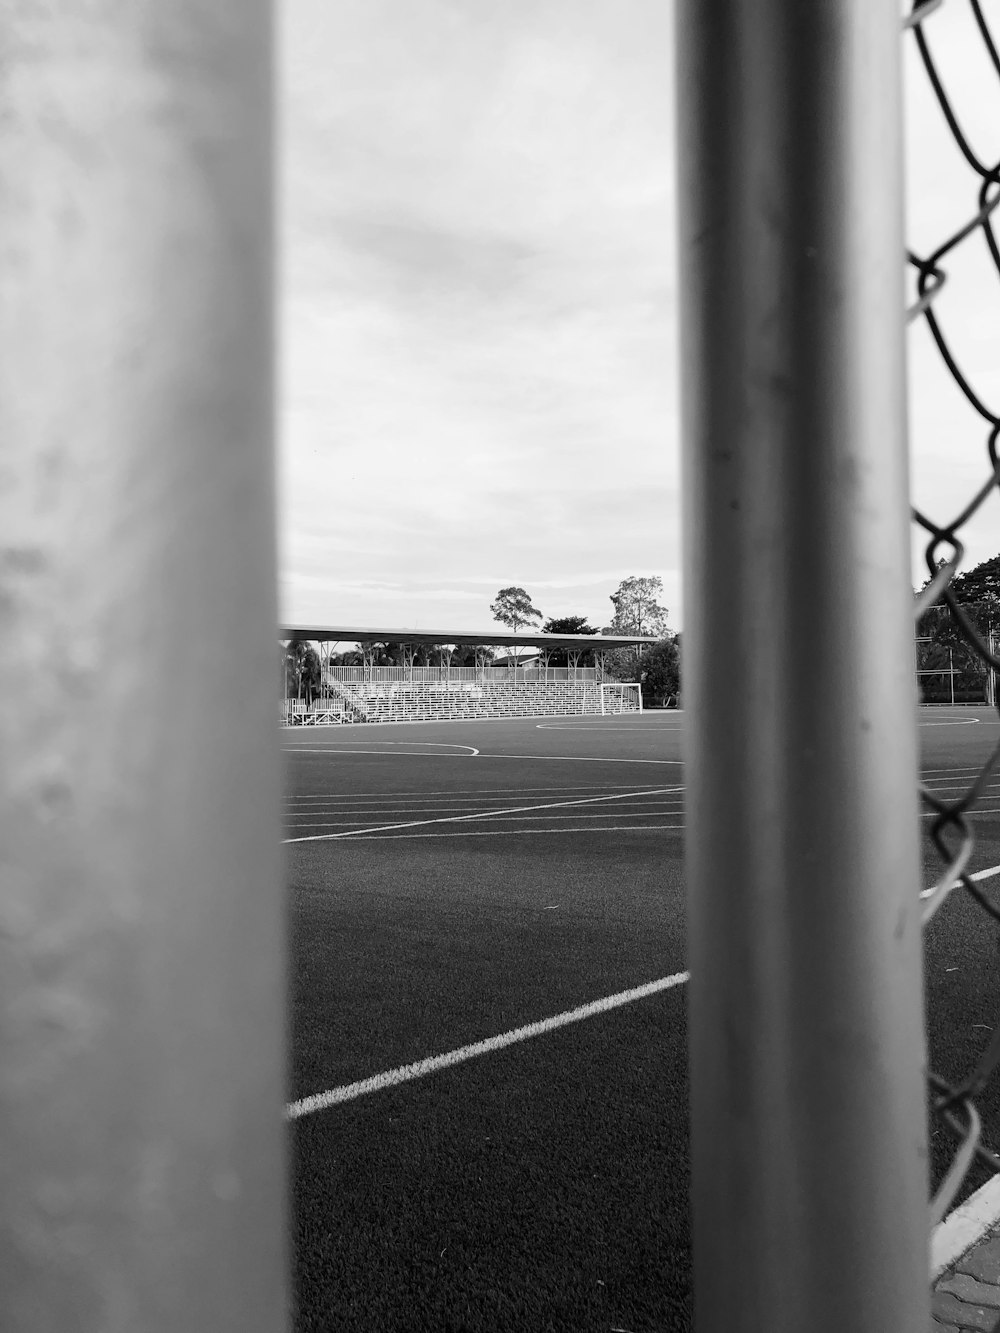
(963, 1228)
(321, 1100)
(483, 814)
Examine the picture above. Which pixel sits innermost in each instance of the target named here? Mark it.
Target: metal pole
(951, 675)
(806, 1025)
(141, 913)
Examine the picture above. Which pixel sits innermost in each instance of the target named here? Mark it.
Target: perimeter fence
(951, 830)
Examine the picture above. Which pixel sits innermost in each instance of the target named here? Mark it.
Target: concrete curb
(963, 1228)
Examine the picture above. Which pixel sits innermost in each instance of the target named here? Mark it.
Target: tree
(980, 584)
(941, 645)
(636, 609)
(568, 625)
(302, 670)
(558, 657)
(660, 673)
(513, 607)
(621, 664)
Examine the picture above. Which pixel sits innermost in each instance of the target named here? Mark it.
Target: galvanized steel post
(808, 1099)
(141, 903)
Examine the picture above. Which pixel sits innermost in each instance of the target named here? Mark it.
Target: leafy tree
(513, 607)
(637, 610)
(302, 670)
(559, 657)
(568, 625)
(621, 664)
(941, 644)
(465, 655)
(980, 584)
(660, 672)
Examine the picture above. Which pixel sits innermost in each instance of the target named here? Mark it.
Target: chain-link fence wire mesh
(951, 830)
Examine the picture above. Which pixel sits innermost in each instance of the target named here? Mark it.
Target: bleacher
(429, 701)
(405, 701)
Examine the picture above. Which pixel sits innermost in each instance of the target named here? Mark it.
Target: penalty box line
(321, 1101)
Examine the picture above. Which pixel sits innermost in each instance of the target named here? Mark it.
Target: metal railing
(951, 831)
(433, 674)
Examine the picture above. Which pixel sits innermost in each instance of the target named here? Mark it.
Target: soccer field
(488, 1100)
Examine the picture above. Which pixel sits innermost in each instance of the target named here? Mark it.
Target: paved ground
(968, 1295)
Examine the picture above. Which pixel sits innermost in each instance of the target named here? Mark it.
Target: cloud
(478, 296)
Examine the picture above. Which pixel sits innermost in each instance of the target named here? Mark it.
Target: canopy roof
(494, 637)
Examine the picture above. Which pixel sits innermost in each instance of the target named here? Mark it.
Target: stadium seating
(405, 701)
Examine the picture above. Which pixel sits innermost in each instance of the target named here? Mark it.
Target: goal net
(621, 696)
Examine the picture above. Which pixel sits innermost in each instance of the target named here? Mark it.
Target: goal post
(621, 696)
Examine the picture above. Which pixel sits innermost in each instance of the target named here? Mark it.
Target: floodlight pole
(141, 907)
(808, 1101)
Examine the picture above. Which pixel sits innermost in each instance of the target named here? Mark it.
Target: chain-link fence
(951, 829)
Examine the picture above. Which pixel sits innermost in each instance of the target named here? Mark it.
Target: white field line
(467, 751)
(954, 772)
(390, 804)
(577, 822)
(453, 722)
(964, 1227)
(320, 1101)
(514, 832)
(381, 740)
(952, 1238)
(563, 788)
(590, 726)
(973, 813)
(302, 819)
(979, 875)
(580, 759)
(423, 754)
(482, 814)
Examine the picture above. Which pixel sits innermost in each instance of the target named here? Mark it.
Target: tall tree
(980, 584)
(637, 610)
(303, 670)
(513, 607)
(660, 672)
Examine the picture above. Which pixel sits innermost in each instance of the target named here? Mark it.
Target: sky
(479, 305)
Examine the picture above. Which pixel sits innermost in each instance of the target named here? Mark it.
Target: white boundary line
(424, 754)
(518, 832)
(481, 814)
(965, 1227)
(591, 726)
(320, 1101)
(471, 793)
(967, 1224)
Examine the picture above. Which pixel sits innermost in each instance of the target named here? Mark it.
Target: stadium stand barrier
(142, 923)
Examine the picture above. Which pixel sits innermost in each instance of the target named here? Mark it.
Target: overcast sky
(479, 305)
